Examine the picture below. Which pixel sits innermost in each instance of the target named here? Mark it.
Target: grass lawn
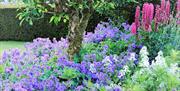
(11, 5)
(5, 45)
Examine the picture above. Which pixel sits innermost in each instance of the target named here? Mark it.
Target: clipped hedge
(10, 29)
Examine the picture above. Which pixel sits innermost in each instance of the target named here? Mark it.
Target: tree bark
(77, 27)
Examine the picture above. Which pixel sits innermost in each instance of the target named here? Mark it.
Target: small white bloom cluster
(92, 68)
(124, 71)
(144, 57)
(115, 57)
(107, 61)
(132, 56)
(112, 87)
(159, 60)
(174, 69)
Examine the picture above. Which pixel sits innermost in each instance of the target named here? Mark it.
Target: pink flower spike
(178, 6)
(137, 16)
(163, 3)
(149, 29)
(133, 29)
(151, 12)
(144, 14)
(168, 8)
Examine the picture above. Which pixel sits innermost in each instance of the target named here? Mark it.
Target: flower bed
(111, 59)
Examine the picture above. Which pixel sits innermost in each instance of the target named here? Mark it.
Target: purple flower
(9, 69)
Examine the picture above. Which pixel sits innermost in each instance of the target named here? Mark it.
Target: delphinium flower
(159, 60)
(144, 57)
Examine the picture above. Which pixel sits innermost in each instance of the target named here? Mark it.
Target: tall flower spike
(163, 3)
(168, 8)
(145, 6)
(137, 16)
(157, 17)
(178, 6)
(133, 29)
(151, 11)
(148, 14)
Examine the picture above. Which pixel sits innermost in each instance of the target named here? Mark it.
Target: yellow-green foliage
(174, 57)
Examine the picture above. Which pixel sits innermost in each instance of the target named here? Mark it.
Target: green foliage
(166, 38)
(1, 69)
(174, 57)
(69, 73)
(113, 47)
(35, 9)
(10, 29)
(153, 79)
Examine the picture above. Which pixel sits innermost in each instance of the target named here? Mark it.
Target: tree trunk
(77, 27)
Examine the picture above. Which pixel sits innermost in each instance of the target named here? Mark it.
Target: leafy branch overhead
(61, 10)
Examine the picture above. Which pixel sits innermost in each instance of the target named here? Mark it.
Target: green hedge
(10, 29)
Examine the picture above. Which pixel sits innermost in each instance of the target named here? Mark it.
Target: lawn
(11, 5)
(6, 45)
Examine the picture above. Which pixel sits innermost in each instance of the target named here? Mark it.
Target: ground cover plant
(143, 56)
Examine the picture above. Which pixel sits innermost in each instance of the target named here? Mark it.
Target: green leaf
(1, 69)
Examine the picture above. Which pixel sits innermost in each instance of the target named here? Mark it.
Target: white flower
(160, 60)
(115, 57)
(126, 69)
(132, 56)
(107, 61)
(144, 62)
(144, 57)
(143, 51)
(174, 68)
(92, 68)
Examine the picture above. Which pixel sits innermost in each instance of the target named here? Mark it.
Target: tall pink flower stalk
(157, 17)
(133, 29)
(168, 8)
(137, 17)
(178, 6)
(178, 12)
(163, 4)
(147, 15)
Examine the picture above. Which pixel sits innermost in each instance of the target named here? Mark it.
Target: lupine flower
(137, 16)
(157, 17)
(163, 4)
(133, 29)
(178, 6)
(178, 12)
(168, 8)
(147, 15)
